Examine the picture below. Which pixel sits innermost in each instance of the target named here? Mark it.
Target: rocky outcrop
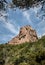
(26, 34)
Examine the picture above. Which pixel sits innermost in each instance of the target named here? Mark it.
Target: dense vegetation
(24, 54)
(20, 3)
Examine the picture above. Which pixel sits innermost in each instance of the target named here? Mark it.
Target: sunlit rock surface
(26, 34)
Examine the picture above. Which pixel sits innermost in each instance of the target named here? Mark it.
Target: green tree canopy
(21, 3)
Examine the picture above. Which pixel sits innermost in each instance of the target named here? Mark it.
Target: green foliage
(25, 3)
(20, 3)
(2, 4)
(23, 54)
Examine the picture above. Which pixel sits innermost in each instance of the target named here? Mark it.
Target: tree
(2, 4)
(23, 4)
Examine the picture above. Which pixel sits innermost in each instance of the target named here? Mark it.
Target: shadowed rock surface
(26, 34)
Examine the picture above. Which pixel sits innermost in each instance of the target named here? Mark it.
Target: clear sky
(10, 25)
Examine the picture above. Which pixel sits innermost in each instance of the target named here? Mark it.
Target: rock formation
(26, 34)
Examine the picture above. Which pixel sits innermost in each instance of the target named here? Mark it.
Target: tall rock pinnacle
(26, 34)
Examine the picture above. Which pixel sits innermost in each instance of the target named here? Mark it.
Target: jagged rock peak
(26, 34)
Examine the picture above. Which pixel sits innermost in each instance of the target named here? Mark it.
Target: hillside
(23, 54)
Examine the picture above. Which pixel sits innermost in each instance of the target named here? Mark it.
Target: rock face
(26, 34)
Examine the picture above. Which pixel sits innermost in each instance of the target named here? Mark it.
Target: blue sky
(10, 25)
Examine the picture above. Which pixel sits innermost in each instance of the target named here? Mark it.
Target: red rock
(26, 34)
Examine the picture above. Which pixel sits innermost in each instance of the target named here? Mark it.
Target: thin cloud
(37, 9)
(41, 27)
(27, 16)
(5, 38)
(7, 24)
(13, 29)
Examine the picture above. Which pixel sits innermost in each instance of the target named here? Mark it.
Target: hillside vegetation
(24, 54)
